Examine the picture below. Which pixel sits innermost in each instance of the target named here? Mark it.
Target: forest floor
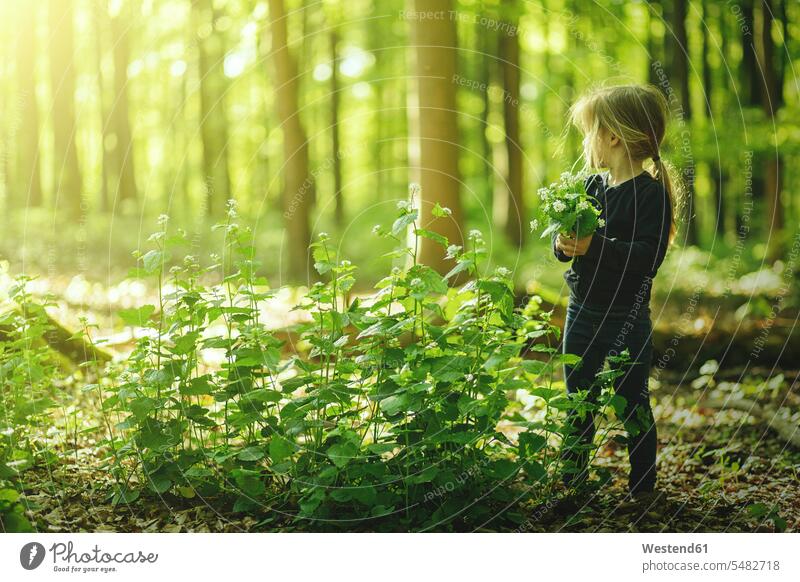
(720, 471)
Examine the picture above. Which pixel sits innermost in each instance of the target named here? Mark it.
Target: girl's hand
(573, 247)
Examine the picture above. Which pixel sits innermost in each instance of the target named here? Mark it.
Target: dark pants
(594, 334)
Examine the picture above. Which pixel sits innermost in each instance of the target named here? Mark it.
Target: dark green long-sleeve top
(625, 254)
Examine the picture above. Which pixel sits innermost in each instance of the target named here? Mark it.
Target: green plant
(27, 371)
(765, 512)
(385, 412)
(565, 207)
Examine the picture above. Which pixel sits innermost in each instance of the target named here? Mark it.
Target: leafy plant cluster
(27, 371)
(379, 412)
(566, 208)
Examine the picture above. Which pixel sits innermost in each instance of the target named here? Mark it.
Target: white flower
(414, 189)
(232, 206)
(583, 205)
(453, 251)
(601, 222)
(534, 224)
(559, 206)
(503, 272)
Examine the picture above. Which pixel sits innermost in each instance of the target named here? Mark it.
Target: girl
(613, 269)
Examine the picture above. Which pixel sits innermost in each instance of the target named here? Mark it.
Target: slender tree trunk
(749, 74)
(650, 46)
(213, 123)
(27, 176)
(680, 77)
(438, 125)
(66, 169)
(543, 100)
(715, 170)
(509, 51)
(120, 115)
(772, 162)
(784, 54)
(100, 20)
(485, 77)
(298, 182)
(337, 161)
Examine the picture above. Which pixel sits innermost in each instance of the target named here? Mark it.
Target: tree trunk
(715, 170)
(120, 118)
(213, 123)
(485, 77)
(651, 46)
(435, 39)
(28, 173)
(298, 183)
(99, 17)
(66, 170)
(337, 161)
(680, 77)
(749, 73)
(772, 163)
(509, 52)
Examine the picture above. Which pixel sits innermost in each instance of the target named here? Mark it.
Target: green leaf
(280, 449)
(535, 367)
(153, 260)
(567, 359)
(403, 221)
(15, 522)
(440, 212)
(395, 404)
(342, 453)
(535, 470)
(531, 443)
(463, 265)
(138, 316)
(758, 509)
(545, 394)
(501, 469)
(197, 386)
(160, 484)
(551, 228)
(434, 236)
(249, 482)
(8, 496)
(425, 476)
(186, 343)
(618, 403)
(187, 492)
(251, 454)
(141, 407)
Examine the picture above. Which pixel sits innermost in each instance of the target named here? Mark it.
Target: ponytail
(663, 172)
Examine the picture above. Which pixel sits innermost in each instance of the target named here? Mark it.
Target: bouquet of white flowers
(567, 208)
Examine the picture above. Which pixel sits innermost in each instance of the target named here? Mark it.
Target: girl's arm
(644, 254)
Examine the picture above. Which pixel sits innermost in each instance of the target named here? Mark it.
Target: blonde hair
(637, 114)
